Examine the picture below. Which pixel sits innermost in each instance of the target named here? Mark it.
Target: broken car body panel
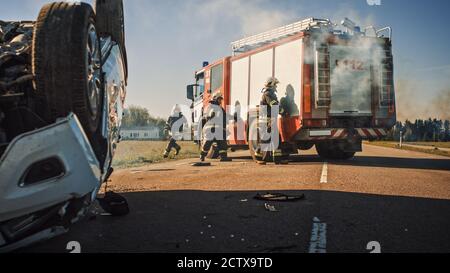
(72, 172)
(65, 141)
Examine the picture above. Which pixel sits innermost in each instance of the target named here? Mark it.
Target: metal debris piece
(201, 164)
(270, 208)
(15, 56)
(278, 197)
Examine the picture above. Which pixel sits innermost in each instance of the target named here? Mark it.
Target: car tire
(111, 22)
(66, 62)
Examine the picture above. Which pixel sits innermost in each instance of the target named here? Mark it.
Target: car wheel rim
(93, 70)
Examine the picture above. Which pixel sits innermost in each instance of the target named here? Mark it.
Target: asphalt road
(398, 199)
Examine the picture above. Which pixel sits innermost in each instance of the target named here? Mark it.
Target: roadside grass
(396, 145)
(131, 154)
(445, 145)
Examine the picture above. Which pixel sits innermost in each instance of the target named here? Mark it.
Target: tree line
(137, 116)
(421, 130)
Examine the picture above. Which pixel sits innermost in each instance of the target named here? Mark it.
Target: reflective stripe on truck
(365, 133)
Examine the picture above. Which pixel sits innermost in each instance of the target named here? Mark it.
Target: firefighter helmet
(217, 96)
(176, 110)
(272, 82)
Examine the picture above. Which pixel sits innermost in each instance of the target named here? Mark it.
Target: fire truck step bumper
(326, 134)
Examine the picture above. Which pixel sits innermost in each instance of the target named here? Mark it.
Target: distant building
(140, 133)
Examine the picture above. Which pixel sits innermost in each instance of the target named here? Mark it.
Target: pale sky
(167, 40)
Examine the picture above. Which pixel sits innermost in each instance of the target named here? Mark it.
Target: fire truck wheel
(347, 155)
(323, 150)
(66, 62)
(254, 141)
(329, 150)
(305, 146)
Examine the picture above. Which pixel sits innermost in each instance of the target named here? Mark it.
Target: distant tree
(447, 130)
(421, 130)
(394, 133)
(136, 116)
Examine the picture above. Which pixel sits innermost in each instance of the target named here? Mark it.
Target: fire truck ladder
(322, 77)
(386, 78)
(277, 34)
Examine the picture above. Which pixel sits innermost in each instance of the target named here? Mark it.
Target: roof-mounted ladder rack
(252, 42)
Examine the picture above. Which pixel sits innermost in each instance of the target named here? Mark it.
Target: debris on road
(114, 204)
(270, 208)
(279, 197)
(201, 164)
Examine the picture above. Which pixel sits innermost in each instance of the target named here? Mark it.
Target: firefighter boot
(279, 158)
(166, 154)
(202, 157)
(177, 149)
(225, 158)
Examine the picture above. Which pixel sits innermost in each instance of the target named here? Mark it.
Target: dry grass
(139, 153)
(395, 145)
(445, 145)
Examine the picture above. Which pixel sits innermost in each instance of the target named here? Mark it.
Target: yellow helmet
(217, 96)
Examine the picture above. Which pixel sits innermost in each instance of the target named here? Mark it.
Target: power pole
(401, 139)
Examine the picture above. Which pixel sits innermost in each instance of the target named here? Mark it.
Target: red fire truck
(340, 82)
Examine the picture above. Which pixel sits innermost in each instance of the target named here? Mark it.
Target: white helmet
(272, 82)
(176, 110)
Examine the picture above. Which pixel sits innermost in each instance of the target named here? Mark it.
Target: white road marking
(324, 177)
(318, 241)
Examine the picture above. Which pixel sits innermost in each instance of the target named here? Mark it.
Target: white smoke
(351, 66)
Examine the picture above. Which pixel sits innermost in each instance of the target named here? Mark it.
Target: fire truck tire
(111, 22)
(347, 155)
(305, 146)
(254, 141)
(323, 150)
(328, 150)
(66, 62)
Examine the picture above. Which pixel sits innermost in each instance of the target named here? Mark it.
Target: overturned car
(62, 90)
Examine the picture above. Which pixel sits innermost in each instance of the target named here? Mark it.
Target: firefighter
(288, 107)
(214, 131)
(269, 99)
(176, 118)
